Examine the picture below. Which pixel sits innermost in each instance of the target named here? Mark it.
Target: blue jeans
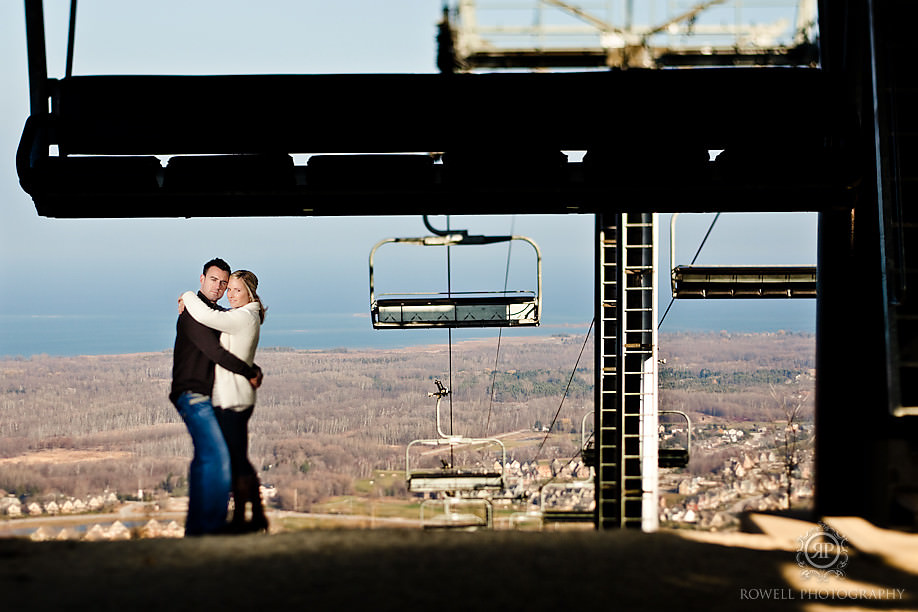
(209, 476)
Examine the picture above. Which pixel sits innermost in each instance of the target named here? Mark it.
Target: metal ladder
(626, 397)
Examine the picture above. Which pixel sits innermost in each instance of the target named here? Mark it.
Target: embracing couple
(214, 378)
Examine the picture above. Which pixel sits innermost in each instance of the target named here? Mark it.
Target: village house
(95, 534)
(10, 506)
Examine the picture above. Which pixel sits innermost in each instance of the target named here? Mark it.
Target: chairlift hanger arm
(455, 237)
(438, 232)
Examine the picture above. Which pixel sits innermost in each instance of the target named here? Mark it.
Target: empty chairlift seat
(744, 281)
(676, 456)
(455, 310)
(447, 478)
(457, 513)
(450, 479)
(739, 281)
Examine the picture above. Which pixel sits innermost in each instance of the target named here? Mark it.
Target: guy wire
(697, 253)
(569, 381)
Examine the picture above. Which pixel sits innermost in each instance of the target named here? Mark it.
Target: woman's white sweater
(240, 328)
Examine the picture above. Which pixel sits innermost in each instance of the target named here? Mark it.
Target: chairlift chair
(455, 310)
(731, 281)
(666, 457)
(676, 457)
(457, 513)
(587, 444)
(450, 479)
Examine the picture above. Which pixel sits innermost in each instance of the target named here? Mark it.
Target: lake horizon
(23, 335)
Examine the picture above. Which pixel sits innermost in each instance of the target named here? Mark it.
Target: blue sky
(306, 265)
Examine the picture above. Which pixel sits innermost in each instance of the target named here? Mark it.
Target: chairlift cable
(449, 291)
(500, 330)
(71, 35)
(697, 253)
(569, 381)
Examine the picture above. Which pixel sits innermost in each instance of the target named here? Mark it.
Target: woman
(233, 395)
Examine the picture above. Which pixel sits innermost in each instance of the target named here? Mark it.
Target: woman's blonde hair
(251, 284)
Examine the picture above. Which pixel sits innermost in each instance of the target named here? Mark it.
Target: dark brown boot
(259, 521)
(241, 495)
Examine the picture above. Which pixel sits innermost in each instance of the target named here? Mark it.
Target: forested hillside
(735, 376)
(323, 418)
(80, 425)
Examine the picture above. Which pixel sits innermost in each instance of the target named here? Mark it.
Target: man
(197, 349)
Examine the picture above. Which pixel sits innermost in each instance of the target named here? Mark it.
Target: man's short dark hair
(219, 263)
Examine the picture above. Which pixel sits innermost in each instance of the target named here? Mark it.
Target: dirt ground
(59, 455)
(414, 569)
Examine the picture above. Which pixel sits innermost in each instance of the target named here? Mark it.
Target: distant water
(26, 335)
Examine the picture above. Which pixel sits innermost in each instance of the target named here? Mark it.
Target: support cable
(71, 35)
(697, 253)
(500, 330)
(569, 381)
(449, 290)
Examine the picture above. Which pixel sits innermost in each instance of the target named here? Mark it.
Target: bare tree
(791, 403)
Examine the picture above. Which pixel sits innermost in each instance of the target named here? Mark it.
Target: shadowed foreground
(406, 569)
